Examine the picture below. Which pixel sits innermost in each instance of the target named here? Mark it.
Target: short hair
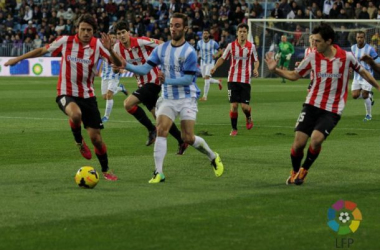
(206, 29)
(87, 18)
(325, 31)
(182, 16)
(242, 25)
(121, 25)
(111, 32)
(360, 32)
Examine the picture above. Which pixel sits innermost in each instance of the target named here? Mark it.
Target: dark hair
(182, 16)
(242, 25)
(111, 32)
(206, 29)
(121, 25)
(325, 31)
(87, 18)
(360, 32)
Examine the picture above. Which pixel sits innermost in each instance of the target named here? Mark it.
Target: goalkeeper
(286, 50)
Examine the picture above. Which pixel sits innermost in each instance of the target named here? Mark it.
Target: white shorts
(186, 108)
(206, 68)
(109, 84)
(361, 84)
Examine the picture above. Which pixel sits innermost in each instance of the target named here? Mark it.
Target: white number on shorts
(301, 117)
(63, 101)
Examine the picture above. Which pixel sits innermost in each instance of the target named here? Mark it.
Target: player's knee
(96, 140)
(365, 95)
(109, 95)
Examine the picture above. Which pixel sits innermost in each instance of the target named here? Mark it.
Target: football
(87, 177)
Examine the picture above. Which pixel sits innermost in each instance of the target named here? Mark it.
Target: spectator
(195, 5)
(53, 19)
(61, 26)
(37, 15)
(30, 27)
(277, 12)
(174, 6)
(197, 23)
(28, 15)
(285, 7)
(349, 10)
(37, 42)
(9, 22)
(299, 14)
(69, 14)
(334, 12)
(327, 5)
(342, 14)
(364, 14)
(17, 45)
(372, 10)
(258, 8)
(61, 13)
(358, 10)
(237, 16)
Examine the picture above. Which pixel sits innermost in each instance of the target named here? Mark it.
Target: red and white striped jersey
(138, 54)
(307, 52)
(329, 89)
(78, 65)
(241, 61)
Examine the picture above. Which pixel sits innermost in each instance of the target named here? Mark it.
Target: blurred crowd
(29, 24)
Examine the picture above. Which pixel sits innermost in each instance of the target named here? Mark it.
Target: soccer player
(178, 61)
(286, 50)
(136, 51)
(110, 83)
(360, 88)
(326, 100)
(208, 51)
(76, 97)
(308, 50)
(243, 53)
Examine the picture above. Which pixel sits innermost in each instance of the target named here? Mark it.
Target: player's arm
(369, 60)
(369, 78)
(272, 66)
(217, 65)
(31, 54)
(184, 80)
(256, 65)
(140, 69)
(217, 54)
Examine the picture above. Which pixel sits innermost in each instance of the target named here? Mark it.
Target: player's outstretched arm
(31, 54)
(369, 60)
(139, 69)
(272, 66)
(369, 78)
(217, 65)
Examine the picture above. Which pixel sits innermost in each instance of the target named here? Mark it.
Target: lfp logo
(344, 217)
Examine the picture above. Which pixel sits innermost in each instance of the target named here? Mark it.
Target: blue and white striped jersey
(107, 72)
(176, 62)
(206, 50)
(358, 53)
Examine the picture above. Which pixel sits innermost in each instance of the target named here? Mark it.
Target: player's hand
(367, 59)
(288, 56)
(106, 41)
(161, 77)
(270, 61)
(278, 56)
(212, 71)
(255, 73)
(297, 63)
(11, 62)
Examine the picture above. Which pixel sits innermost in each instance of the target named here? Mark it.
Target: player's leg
(212, 80)
(166, 114)
(325, 124)
(188, 115)
(72, 109)
(111, 90)
(132, 107)
(245, 97)
(366, 89)
(206, 77)
(234, 98)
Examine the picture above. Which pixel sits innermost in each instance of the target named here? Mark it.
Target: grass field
(249, 207)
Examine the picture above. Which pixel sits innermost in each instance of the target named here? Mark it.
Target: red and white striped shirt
(329, 89)
(138, 54)
(307, 52)
(78, 65)
(241, 61)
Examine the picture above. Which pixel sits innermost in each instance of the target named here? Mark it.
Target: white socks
(213, 81)
(109, 105)
(160, 148)
(368, 106)
(207, 87)
(201, 145)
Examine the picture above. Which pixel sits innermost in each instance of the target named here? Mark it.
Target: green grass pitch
(249, 207)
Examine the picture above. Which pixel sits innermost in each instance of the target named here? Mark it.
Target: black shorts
(239, 92)
(313, 118)
(88, 106)
(148, 95)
